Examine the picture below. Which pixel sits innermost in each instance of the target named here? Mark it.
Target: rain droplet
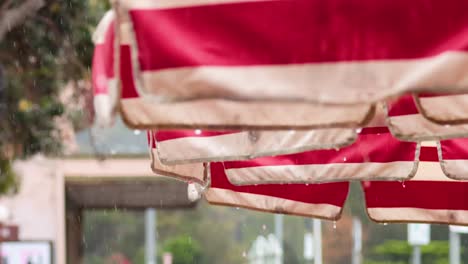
(403, 184)
(198, 131)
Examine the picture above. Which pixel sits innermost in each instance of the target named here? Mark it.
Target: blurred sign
(167, 258)
(459, 229)
(357, 235)
(419, 234)
(308, 246)
(265, 250)
(26, 252)
(8, 232)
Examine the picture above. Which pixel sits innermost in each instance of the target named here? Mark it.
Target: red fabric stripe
(163, 135)
(455, 148)
(103, 62)
(327, 193)
(429, 154)
(404, 105)
(367, 148)
(299, 31)
(422, 95)
(99, 74)
(126, 73)
(417, 194)
(108, 46)
(374, 130)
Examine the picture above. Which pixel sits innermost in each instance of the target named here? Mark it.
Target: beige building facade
(53, 193)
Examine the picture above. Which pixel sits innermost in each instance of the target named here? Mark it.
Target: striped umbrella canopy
(272, 112)
(429, 197)
(266, 64)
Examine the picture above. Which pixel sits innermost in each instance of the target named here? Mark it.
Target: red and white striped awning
(276, 105)
(269, 62)
(429, 197)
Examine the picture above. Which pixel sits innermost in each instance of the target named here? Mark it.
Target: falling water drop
(264, 227)
(344, 159)
(244, 254)
(385, 224)
(136, 132)
(403, 184)
(334, 224)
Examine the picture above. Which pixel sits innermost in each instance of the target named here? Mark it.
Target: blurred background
(74, 193)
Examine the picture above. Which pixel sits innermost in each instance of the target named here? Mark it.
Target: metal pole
(317, 225)
(150, 236)
(454, 238)
(357, 241)
(279, 234)
(416, 255)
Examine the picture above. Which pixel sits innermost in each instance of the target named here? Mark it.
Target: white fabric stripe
(248, 145)
(314, 173)
(455, 169)
(447, 108)
(271, 204)
(99, 34)
(218, 114)
(161, 4)
(415, 128)
(125, 34)
(336, 83)
(405, 214)
(429, 144)
(103, 109)
(184, 172)
(431, 171)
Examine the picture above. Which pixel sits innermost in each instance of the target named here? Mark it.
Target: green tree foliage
(48, 45)
(184, 250)
(398, 251)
